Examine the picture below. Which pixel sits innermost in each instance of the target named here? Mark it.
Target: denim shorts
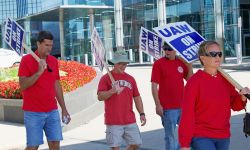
(37, 122)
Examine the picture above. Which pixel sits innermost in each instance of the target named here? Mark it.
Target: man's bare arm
(104, 95)
(140, 109)
(60, 100)
(154, 89)
(26, 82)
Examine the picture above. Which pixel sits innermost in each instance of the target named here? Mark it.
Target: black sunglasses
(213, 54)
(49, 69)
(168, 49)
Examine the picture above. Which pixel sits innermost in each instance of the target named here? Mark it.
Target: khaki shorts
(116, 133)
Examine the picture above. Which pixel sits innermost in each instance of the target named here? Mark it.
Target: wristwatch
(142, 114)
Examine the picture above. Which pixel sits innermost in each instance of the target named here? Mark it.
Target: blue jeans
(170, 120)
(37, 122)
(201, 143)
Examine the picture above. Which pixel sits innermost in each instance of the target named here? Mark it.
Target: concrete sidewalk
(91, 136)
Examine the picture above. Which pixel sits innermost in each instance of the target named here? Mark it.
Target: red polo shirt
(40, 97)
(169, 74)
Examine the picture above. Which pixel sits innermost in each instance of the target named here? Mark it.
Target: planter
(81, 103)
(11, 110)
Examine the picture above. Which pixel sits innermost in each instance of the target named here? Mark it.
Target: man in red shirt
(39, 82)
(118, 98)
(167, 89)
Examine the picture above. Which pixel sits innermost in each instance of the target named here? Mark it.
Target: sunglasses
(168, 49)
(49, 69)
(213, 54)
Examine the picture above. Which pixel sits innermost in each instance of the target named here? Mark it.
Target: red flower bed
(77, 75)
(10, 89)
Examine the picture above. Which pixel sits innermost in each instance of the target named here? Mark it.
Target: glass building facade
(7, 9)
(71, 22)
(200, 14)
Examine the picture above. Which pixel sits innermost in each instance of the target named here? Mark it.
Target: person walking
(208, 98)
(118, 98)
(41, 89)
(167, 86)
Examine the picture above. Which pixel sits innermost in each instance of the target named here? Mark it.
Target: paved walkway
(91, 136)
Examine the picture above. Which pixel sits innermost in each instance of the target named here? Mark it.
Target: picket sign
(31, 52)
(150, 43)
(109, 73)
(14, 37)
(232, 81)
(98, 50)
(182, 38)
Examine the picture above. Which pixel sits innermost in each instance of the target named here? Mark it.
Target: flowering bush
(73, 75)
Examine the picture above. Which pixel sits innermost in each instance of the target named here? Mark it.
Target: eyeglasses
(168, 49)
(213, 54)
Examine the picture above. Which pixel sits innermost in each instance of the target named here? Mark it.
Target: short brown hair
(203, 48)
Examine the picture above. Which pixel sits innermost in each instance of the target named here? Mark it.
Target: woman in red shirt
(208, 100)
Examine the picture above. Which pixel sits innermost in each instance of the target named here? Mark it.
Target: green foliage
(8, 74)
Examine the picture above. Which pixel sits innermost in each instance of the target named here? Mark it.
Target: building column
(4, 44)
(118, 25)
(219, 22)
(27, 32)
(161, 12)
(61, 29)
(91, 20)
(107, 34)
(91, 27)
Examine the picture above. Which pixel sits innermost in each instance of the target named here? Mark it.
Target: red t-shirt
(206, 107)
(169, 74)
(40, 97)
(119, 107)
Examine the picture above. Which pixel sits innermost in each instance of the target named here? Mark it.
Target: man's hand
(143, 120)
(244, 91)
(185, 148)
(66, 117)
(42, 66)
(159, 110)
(116, 87)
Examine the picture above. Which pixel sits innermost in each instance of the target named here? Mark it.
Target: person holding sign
(41, 91)
(118, 98)
(208, 98)
(168, 73)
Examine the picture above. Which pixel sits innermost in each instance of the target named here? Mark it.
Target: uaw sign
(14, 35)
(181, 37)
(150, 43)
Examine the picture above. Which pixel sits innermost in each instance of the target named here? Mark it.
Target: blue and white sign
(150, 43)
(181, 37)
(14, 35)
